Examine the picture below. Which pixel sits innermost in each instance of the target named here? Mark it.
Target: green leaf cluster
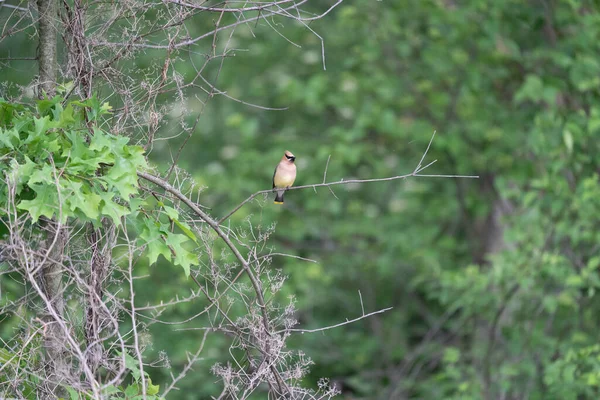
(58, 163)
(159, 236)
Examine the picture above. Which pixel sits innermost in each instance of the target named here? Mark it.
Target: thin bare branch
(340, 324)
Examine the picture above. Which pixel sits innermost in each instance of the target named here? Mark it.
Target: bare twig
(340, 324)
(289, 255)
(191, 361)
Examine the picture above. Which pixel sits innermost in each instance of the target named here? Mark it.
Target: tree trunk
(56, 355)
(48, 14)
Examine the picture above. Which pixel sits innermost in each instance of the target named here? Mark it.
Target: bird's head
(289, 156)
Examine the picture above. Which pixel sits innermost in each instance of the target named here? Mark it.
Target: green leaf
(186, 229)
(132, 390)
(83, 160)
(123, 177)
(101, 141)
(137, 203)
(111, 209)
(78, 197)
(152, 237)
(152, 389)
(5, 355)
(132, 364)
(183, 258)
(7, 111)
(44, 204)
(105, 108)
(170, 211)
(52, 146)
(20, 173)
(72, 393)
(136, 156)
(45, 106)
(111, 390)
(95, 108)
(174, 216)
(9, 137)
(41, 125)
(43, 175)
(66, 117)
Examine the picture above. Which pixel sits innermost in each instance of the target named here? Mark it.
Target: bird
(284, 175)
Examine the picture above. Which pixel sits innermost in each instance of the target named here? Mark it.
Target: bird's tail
(279, 197)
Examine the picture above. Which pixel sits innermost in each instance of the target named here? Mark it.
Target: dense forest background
(492, 281)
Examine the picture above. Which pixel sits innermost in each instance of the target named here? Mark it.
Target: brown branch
(226, 9)
(217, 229)
(337, 325)
(2, 4)
(18, 59)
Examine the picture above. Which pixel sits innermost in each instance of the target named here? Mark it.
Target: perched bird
(284, 175)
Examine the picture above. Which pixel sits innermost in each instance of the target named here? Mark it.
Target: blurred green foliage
(493, 281)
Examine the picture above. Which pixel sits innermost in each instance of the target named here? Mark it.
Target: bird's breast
(284, 177)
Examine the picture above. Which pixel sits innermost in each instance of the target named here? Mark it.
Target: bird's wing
(274, 172)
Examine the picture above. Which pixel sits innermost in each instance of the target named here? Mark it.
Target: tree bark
(56, 360)
(48, 14)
